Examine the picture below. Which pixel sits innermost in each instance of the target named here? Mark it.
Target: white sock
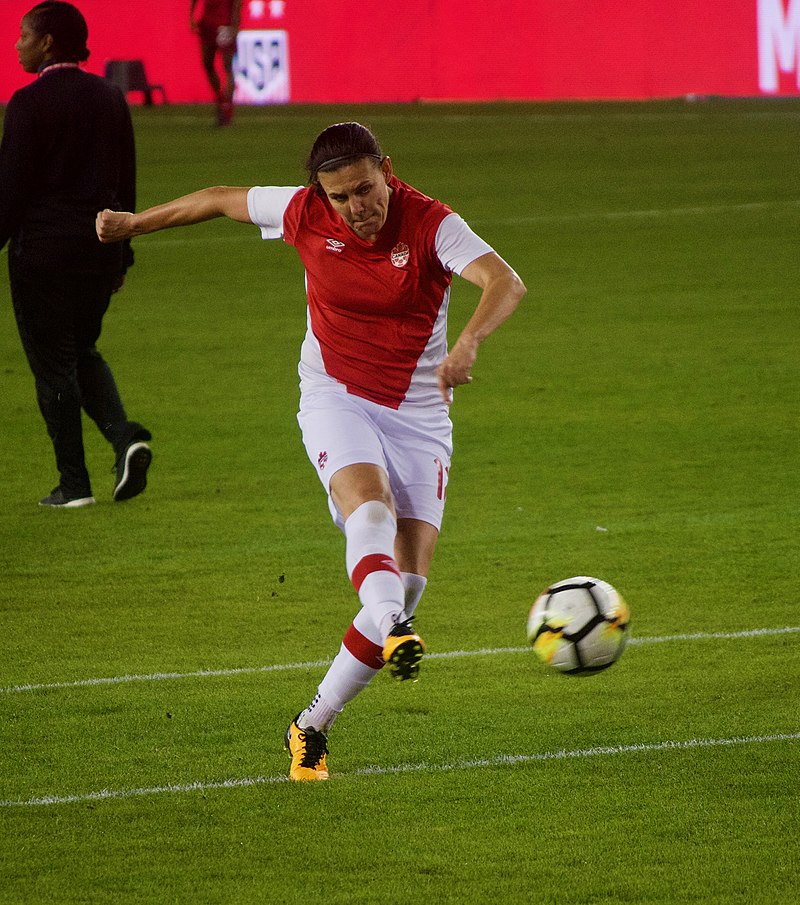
(414, 585)
(319, 715)
(359, 660)
(370, 532)
(387, 596)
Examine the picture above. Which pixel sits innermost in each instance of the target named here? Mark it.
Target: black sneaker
(131, 469)
(60, 500)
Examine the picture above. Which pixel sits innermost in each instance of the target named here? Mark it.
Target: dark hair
(340, 145)
(67, 27)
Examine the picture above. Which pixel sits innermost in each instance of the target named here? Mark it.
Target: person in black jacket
(68, 151)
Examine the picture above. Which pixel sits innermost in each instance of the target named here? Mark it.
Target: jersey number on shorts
(441, 484)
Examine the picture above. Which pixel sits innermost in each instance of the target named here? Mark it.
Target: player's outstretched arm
(218, 201)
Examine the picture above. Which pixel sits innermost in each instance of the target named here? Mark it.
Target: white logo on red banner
(261, 67)
(778, 43)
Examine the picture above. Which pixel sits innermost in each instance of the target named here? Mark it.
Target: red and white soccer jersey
(377, 312)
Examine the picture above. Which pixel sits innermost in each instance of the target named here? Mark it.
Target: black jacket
(67, 152)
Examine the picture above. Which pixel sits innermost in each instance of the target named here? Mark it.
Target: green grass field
(636, 420)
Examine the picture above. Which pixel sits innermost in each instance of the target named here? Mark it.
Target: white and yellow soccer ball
(579, 626)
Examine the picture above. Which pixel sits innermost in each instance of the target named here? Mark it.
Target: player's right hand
(113, 226)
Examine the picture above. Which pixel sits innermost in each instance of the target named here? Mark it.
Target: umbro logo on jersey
(400, 254)
(334, 245)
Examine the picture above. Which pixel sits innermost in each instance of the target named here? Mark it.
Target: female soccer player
(217, 26)
(376, 380)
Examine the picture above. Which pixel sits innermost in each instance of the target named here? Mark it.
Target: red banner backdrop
(304, 52)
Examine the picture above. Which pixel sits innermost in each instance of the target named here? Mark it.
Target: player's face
(32, 48)
(359, 193)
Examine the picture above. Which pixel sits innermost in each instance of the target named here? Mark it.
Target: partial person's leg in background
(226, 53)
(43, 305)
(100, 396)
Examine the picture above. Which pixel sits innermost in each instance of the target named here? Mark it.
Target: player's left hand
(226, 37)
(455, 369)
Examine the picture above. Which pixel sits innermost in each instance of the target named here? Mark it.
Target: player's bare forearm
(218, 201)
(502, 293)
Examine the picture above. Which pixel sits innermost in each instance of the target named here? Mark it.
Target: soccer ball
(579, 626)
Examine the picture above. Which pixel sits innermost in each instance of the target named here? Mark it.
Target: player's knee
(355, 485)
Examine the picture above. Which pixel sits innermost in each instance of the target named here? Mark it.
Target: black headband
(327, 164)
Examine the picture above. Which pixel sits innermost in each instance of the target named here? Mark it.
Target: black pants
(59, 316)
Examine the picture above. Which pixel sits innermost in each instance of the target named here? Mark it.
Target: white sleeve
(457, 245)
(267, 204)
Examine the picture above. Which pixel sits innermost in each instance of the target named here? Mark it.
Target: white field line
(576, 217)
(652, 213)
(318, 664)
(503, 760)
(589, 111)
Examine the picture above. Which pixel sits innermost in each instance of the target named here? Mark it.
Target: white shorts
(413, 445)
